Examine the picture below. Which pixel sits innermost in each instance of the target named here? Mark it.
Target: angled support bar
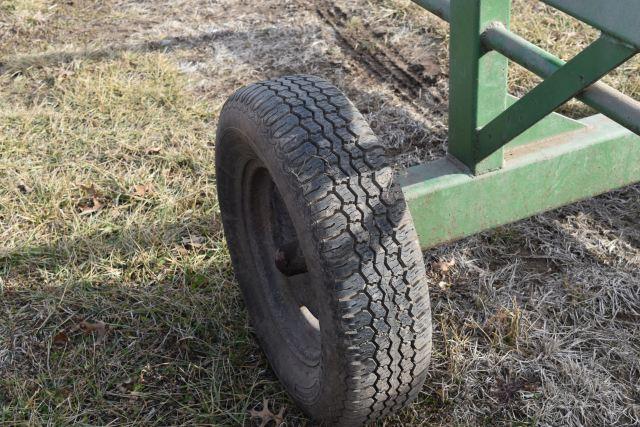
(440, 8)
(586, 68)
(612, 103)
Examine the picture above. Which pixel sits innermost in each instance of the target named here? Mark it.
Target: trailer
(326, 239)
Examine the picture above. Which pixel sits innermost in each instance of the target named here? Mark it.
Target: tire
(324, 250)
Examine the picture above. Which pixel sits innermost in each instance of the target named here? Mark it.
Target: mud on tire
(324, 249)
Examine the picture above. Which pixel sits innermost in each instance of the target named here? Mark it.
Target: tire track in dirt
(385, 63)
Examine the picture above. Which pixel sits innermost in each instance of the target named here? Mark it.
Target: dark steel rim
(286, 285)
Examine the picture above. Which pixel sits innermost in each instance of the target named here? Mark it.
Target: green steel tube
(610, 102)
(440, 8)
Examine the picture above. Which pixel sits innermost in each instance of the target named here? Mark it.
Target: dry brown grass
(108, 213)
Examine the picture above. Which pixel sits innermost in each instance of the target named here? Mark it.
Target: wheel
(324, 250)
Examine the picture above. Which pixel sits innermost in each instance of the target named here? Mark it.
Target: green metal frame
(511, 158)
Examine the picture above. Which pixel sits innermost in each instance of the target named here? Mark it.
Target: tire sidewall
(238, 125)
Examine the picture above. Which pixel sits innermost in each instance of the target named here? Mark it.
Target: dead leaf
(265, 415)
(60, 338)
(100, 329)
(125, 386)
(182, 250)
(90, 190)
(141, 190)
(65, 74)
(193, 242)
(506, 391)
(279, 417)
(93, 206)
(444, 265)
(24, 188)
(442, 393)
(444, 285)
(135, 395)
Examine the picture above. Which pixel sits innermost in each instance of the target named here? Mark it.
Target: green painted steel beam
(587, 67)
(477, 81)
(614, 104)
(448, 203)
(619, 18)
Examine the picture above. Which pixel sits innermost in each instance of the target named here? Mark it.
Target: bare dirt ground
(117, 299)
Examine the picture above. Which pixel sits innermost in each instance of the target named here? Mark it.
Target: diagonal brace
(617, 106)
(586, 68)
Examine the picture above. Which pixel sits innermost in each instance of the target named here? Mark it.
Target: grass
(117, 298)
(109, 214)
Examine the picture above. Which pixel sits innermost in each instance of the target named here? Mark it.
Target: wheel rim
(289, 295)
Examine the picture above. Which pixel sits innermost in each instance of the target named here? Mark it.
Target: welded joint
(493, 25)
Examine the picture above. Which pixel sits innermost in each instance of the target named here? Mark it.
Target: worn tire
(295, 158)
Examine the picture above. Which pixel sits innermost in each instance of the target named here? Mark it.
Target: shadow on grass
(177, 342)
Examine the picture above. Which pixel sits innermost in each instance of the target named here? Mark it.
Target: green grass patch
(108, 213)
